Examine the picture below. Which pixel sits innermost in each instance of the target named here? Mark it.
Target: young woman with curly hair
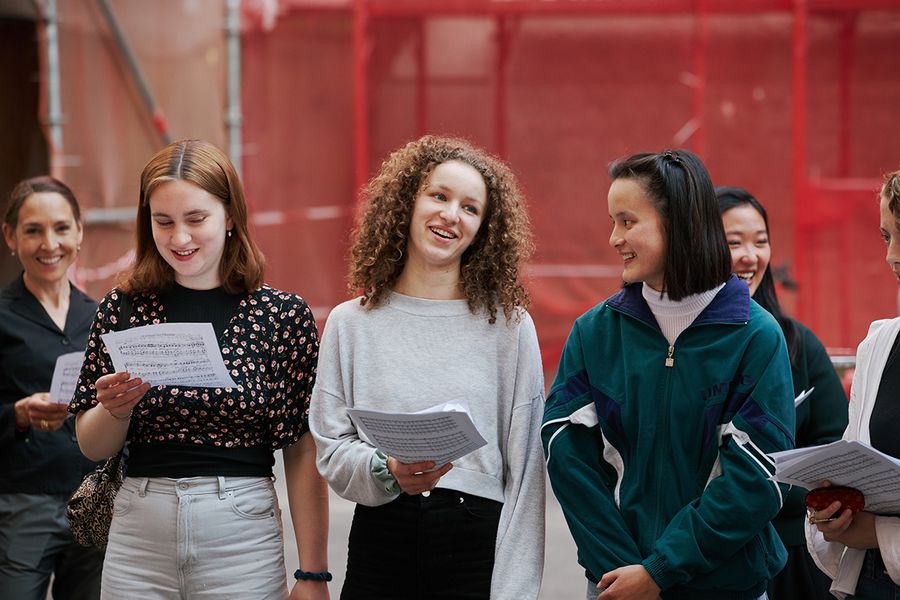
(437, 255)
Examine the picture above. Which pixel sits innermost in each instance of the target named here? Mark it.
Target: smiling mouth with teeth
(746, 276)
(184, 252)
(628, 256)
(49, 261)
(442, 233)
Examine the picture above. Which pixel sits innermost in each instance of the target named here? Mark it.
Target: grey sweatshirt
(410, 354)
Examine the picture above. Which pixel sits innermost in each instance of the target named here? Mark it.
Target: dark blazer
(37, 462)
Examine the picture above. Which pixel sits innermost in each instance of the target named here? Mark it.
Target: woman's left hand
(309, 590)
(852, 530)
(628, 583)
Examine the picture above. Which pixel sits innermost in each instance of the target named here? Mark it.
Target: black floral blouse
(270, 348)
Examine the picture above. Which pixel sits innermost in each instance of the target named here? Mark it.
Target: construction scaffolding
(793, 99)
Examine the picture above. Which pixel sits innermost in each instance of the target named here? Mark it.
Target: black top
(216, 306)
(269, 346)
(886, 412)
(37, 462)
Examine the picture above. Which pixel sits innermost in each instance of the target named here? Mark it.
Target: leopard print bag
(90, 508)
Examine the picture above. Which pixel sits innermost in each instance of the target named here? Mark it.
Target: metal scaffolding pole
(234, 118)
(361, 50)
(54, 103)
(156, 113)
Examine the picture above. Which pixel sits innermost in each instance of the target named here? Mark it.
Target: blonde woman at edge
(861, 552)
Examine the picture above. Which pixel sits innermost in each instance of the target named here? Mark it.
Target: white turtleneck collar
(673, 316)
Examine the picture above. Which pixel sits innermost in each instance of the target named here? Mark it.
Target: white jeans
(195, 538)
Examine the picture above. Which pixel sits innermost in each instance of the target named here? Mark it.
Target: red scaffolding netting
(331, 87)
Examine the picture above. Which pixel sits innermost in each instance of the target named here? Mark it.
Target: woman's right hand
(416, 478)
(37, 411)
(119, 393)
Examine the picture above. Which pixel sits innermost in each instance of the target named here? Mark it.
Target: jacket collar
(23, 303)
(731, 304)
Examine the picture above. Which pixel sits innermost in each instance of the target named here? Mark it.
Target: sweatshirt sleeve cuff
(657, 568)
(382, 475)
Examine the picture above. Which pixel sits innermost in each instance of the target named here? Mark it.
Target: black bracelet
(307, 576)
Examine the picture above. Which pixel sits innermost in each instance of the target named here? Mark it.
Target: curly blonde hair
(490, 267)
(890, 191)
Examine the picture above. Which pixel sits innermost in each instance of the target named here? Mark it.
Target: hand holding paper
(853, 464)
(184, 354)
(439, 434)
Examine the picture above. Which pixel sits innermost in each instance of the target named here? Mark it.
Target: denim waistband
(193, 485)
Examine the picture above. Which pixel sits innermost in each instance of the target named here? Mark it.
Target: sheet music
(853, 464)
(441, 433)
(65, 376)
(184, 354)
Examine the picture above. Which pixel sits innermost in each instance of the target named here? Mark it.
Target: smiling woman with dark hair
(821, 416)
(42, 316)
(667, 398)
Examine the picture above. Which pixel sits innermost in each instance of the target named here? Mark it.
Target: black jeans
(423, 548)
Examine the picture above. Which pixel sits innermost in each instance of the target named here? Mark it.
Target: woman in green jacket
(821, 410)
(668, 397)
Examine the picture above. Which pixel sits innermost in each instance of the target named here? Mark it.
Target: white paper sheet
(183, 354)
(65, 376)
(853, 464)
(441, 433)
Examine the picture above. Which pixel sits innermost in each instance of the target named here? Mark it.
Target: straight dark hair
(680, 188)
(732, 197)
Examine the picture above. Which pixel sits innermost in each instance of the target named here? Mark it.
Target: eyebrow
(447, 188)
(41, 224)
(198, 211)
(737, 231)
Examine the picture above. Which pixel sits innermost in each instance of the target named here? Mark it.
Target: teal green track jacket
(657, 453)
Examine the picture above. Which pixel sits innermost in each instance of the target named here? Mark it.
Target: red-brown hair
(207, 167)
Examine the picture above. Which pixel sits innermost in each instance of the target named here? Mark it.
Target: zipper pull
(670, 362)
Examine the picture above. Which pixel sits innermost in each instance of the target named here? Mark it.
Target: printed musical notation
(183, 354)
(65, 376)
(441, 434)
(853, 464)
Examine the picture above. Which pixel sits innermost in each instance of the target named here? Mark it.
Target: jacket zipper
(670, 362)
